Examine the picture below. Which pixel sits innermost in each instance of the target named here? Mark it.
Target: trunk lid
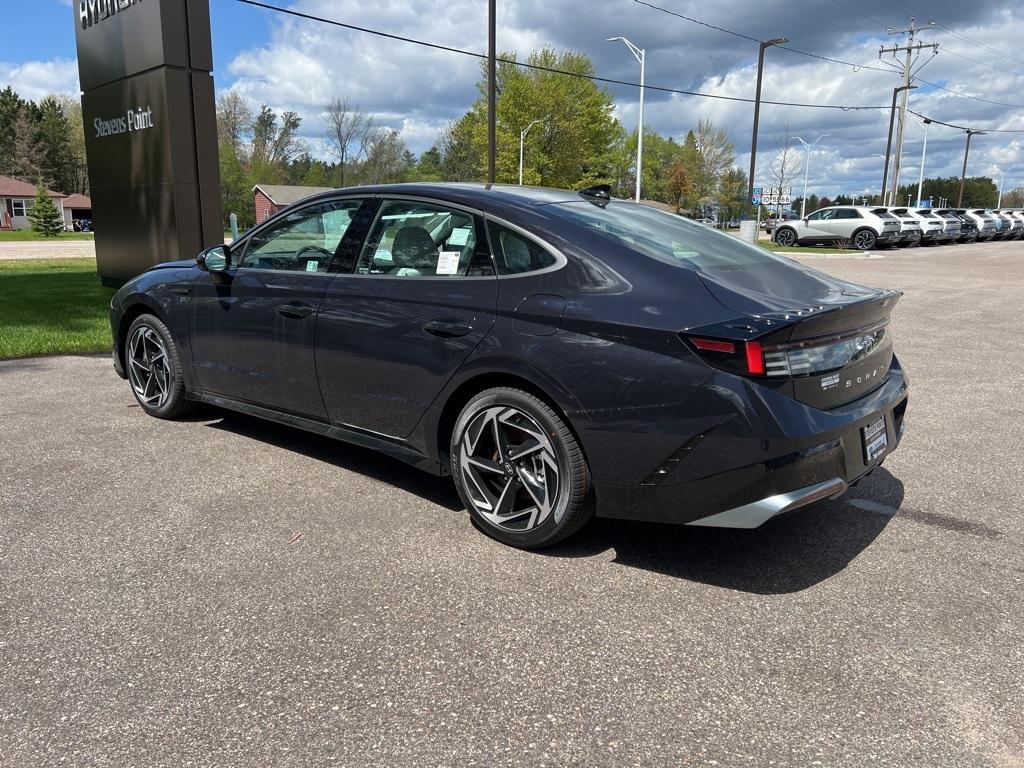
(826, 341)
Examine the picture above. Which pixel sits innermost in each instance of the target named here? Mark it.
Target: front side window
(417, 239)
(302, 241)
(515, 253)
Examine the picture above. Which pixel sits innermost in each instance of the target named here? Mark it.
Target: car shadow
(354, 458)
(788, 554)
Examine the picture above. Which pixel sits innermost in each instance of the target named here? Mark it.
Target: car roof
(465, 192)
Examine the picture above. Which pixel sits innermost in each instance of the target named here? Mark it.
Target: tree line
(576, 142)
(43, 141)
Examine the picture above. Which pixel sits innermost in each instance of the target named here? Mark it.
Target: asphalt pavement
(226, 592)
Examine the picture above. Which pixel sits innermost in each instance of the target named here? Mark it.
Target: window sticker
(312, 266)
(448, 262)
(459, 236)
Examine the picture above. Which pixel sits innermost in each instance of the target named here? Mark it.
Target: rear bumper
(800, 456)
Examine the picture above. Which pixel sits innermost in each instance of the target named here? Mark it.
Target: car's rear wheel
(519, 469)
(785, 237)
(864, 239)
(154, 368)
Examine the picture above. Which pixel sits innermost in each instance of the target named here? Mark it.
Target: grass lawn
(25, 235)
(806, 249)
(52, 307)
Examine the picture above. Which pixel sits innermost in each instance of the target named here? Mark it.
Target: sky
(297, 64)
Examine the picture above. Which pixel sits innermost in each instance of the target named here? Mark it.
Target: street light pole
(888, 143)
(807, 163)
(522, 141)
(1002, 175)
(641, 55)
(924, 149)
(492, 91)
(757, 115)
(963, 174)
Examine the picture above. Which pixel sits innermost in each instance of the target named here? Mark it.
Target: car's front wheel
(785, 237)
(154, 368)
(864, 239)
(519, 469)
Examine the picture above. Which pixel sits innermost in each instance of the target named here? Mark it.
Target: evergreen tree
(11, 106)
(44, 216)
(54, 153)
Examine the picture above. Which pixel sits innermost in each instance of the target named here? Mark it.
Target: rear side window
(418, 239)
(847, 213)
(515, 253)
(668, 237)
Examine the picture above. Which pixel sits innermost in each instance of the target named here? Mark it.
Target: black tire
(786, 237)
(571, 506)
(864, 240)
(173, 400)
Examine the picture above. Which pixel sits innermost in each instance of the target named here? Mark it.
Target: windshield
(668, 237)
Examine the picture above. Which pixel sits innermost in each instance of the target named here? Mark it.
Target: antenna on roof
(599, 194)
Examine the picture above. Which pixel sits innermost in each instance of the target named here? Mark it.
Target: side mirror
(215, 259)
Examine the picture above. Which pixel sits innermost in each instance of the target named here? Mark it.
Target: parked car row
(866, 227)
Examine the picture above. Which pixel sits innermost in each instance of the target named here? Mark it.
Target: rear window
(667, 237)
(882, 213)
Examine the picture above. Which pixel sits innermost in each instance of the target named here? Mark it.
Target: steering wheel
(304, 249)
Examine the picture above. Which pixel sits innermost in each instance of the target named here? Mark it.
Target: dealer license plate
(875, 440)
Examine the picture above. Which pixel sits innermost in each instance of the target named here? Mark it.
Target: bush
(44, 216)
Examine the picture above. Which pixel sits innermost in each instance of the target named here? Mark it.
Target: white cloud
(35, 79)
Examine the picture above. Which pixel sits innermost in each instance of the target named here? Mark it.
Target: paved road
(48, 249)
(223, 592)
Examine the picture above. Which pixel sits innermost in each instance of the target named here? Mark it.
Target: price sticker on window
(448, 262)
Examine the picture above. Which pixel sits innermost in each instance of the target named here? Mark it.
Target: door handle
(295, 311)
(447, 329)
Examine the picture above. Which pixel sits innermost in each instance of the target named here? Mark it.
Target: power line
(966, 95)
(986, 64)
(538, 67)
(873, 20)
(966, 128)
(740, 35)
(963, 37)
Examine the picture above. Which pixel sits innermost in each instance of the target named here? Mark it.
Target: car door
(419, 298)
(252, 327)
(842, 224)
(814, 227)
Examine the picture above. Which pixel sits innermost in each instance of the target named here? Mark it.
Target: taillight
(736, 356)
(798, 358)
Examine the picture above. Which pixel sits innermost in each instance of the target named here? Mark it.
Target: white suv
(864, 227)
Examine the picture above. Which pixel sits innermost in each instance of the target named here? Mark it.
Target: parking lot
(225, 592)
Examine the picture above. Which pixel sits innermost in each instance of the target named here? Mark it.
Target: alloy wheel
(785, 238)
(864, 241)
(510, 469)
(148, 367)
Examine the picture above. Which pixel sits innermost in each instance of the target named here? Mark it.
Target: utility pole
(912, 51)
(888, 141)
(963, 174)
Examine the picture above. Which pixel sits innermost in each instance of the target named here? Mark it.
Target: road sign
(755, 199)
